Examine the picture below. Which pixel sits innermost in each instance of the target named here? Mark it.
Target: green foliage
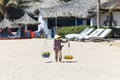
(46, 53)
(115, 32)
(62, 31)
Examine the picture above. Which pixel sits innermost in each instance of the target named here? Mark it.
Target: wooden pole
(110, 19)
(98, 14)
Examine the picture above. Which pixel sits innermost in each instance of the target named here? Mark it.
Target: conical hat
(57, 36)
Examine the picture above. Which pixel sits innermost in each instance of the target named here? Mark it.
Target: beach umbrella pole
(26, 27)
(75, 21)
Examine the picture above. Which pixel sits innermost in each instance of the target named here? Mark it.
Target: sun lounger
(102, 36)
(93, 34)
(71, 36)
(85, 34)
(86, 31)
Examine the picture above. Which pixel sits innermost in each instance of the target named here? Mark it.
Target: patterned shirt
(57, 44)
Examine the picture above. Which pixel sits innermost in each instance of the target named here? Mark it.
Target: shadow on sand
(62, 62)
(49, 62)
(69, 61)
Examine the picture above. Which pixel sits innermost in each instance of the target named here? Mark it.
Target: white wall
(117, 18)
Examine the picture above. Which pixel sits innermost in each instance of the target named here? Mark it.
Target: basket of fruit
(46, 54)
(68, 57)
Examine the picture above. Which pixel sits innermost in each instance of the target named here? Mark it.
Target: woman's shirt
(57, 44)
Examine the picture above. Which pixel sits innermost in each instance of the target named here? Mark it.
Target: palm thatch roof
(44, 4)
(6, 23)
(76, 8)
(26, 20)
(108, 5)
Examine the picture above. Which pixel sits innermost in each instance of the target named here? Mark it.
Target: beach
(22, 60)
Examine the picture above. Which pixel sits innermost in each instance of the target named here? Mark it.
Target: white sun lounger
(86, 31)
(93, 34)
(102, 36)
(85, 34)
(71, 36)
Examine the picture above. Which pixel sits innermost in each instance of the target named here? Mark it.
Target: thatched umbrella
(6, 23)
(26, 20)
(75, 8)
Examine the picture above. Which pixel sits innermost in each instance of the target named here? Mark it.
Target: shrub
(115, 32)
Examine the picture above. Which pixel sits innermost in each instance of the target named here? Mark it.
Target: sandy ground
(21, 60)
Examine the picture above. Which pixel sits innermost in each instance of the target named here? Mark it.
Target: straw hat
(57, 36)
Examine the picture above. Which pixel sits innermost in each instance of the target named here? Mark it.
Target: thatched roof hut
(6, 23)
(26, 20)
(76, 8)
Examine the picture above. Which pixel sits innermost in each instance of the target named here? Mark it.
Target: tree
(5, 5)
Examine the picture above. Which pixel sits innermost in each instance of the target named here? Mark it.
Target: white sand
(21, 60)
